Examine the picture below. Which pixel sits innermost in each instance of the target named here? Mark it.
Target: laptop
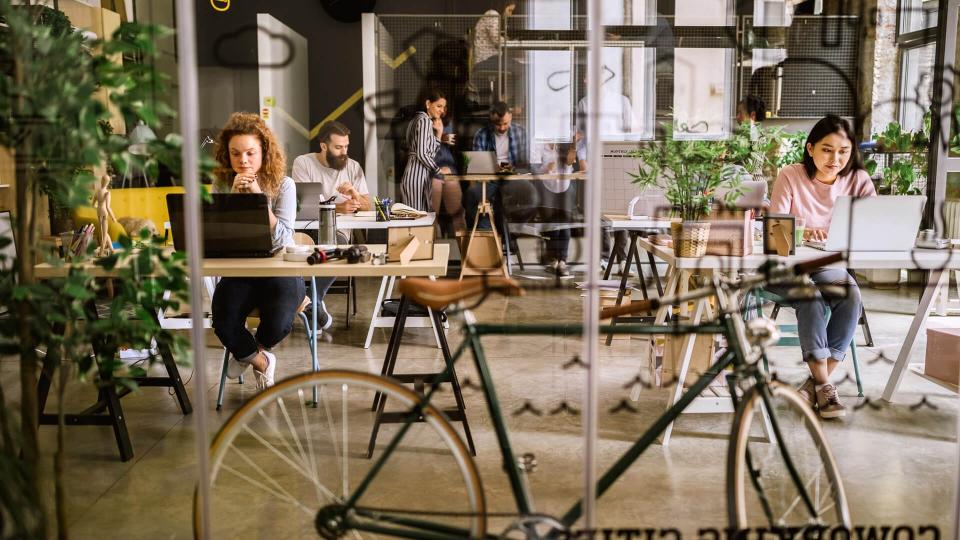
(753, 196)
(309, 195)
(883, 223)
(235, 225)
(481, 162)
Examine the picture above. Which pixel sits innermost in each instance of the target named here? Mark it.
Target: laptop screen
(234, 224)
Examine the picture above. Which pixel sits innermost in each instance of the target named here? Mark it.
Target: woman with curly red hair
(251, 161)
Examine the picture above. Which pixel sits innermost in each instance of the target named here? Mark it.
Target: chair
(793, 340)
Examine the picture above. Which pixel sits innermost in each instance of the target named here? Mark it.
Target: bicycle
(310, 468)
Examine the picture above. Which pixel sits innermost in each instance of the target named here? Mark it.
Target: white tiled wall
(618, 186)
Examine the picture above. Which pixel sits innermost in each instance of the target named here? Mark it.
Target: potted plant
(51, 109)
(690, 173)
(904, 156)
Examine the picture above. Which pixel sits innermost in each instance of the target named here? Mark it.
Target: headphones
(353, 254)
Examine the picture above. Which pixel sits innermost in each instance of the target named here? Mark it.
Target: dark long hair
(429, 94)
(827, 125)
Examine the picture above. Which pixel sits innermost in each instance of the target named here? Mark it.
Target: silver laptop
(309, 195)
(888, 223)
(481, 162)
(753, 196)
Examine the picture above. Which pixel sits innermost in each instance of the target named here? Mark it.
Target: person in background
(424, 185)
(487, 36)
(553, 158)
(338, 174)
(751, 108)
(509, 141)
(250, 160)
(831, 167)
(446, 193)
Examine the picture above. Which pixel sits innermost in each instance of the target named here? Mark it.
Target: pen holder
(383, 210)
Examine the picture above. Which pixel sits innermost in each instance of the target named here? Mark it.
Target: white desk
(351, 222)
(938, 262)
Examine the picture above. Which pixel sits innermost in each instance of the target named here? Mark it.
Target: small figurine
(101, 201)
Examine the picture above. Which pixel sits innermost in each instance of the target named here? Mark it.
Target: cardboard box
(731, 233)
(943, 354)
(414, 243)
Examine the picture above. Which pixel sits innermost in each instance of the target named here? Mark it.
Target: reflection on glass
(626, 12)
(549, 14)
(772, 13)
(916, 85)
(917, 15)
(704, 13)
(549, 94)
(701, 92)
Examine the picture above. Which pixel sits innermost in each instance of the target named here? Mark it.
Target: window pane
(626, 12)
(772, 13)
(551, 81)
(550, 15)
(916, 85)
(701, 92)
(917, 15)
(704, 13)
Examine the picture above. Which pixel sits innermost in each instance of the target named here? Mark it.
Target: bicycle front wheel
(281, 468)
(788, 481)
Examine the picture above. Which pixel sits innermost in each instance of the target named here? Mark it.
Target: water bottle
(327, 224)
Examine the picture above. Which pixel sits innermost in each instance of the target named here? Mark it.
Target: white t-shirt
(544, 154)
(307, 168)
(502, 142)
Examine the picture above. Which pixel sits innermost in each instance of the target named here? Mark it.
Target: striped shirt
(417, 182)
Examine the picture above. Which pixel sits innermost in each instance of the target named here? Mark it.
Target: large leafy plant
(691, 173)
(51, 110)
(908, 157)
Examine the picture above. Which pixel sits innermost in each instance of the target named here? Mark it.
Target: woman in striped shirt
(423, 186)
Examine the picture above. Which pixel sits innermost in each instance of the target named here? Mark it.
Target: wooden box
(731, 233)
(406, 244)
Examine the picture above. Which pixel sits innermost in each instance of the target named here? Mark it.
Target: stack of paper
(402, 211)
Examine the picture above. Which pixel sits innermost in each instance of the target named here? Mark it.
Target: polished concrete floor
(899, 462)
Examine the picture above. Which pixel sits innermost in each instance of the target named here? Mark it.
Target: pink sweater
(797, 194)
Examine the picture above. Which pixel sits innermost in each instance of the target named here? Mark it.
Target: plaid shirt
(517, 137)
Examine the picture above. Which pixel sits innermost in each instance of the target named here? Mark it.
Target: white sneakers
(265, 378)
(235, 369)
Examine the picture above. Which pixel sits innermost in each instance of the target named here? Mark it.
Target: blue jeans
(277, 299)
(826, 323)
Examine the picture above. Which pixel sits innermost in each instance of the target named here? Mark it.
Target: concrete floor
(899, 464)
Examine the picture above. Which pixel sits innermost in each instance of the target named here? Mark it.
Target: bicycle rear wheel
(761, 491)
(278, 461)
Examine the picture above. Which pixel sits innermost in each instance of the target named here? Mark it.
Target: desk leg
(656, 274)
(392, 348)
(175, 382)
(685, 357)
(934, 283)
(662, 314)
(314, 362)
(455, 383)
(434, 324)
(376, 311)
(635, 251)
(623, 282)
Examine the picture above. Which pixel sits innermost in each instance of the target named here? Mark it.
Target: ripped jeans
(826, 323)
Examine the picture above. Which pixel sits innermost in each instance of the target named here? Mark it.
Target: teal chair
(789, 336)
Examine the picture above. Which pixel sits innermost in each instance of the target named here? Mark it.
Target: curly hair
(274, 165)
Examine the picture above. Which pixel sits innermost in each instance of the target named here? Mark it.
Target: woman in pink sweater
(831, 167)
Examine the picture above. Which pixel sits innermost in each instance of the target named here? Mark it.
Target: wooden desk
(109, 401)
(485, 208)
(937, 262)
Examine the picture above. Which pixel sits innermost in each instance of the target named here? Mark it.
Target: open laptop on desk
(480, 162)
(885, 223)
(309, 195)
(235, 225)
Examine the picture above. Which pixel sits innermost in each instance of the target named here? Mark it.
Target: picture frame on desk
(778, 234)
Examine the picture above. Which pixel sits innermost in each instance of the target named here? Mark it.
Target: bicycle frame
(728, 324)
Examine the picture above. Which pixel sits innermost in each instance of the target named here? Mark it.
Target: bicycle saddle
(443, 292)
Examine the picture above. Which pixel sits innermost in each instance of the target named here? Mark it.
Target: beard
(336, 162)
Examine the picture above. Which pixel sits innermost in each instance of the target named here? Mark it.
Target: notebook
(235, 225)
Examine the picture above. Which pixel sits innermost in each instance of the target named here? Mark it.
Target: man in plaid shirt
(509, 141)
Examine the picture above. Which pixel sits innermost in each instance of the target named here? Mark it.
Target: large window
(916, 85)
(702, 86)
(917, 15)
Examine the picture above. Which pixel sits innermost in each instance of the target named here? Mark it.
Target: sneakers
(829, 403)
(235, 369)
(558, 267)
(807, 391)
(265, 378)
(324, 318)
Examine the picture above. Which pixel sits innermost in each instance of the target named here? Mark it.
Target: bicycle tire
(237, 431)
(750, 499)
